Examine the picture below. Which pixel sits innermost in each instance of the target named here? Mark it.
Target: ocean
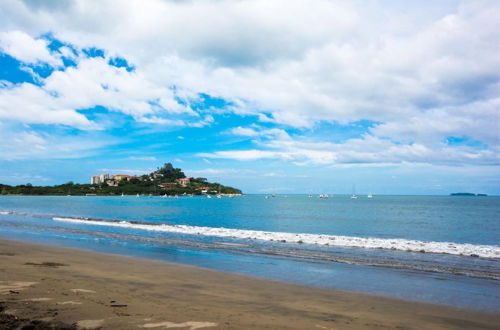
(439, 249)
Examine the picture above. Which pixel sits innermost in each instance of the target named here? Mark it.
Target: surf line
(465, 249)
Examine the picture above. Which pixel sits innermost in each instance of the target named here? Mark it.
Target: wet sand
(46, 286)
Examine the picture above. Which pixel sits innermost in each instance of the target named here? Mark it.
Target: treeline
(126, 188)
(163, 181)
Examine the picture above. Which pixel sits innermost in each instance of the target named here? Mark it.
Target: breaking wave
(484, 251)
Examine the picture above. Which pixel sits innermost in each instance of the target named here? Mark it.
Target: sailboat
(354, 196)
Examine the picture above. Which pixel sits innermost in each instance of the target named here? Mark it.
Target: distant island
(467, 194)
(166, 180)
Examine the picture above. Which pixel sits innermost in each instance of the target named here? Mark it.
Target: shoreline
(315, 195)
(81, 289)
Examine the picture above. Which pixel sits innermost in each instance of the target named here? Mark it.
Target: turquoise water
(429, 248)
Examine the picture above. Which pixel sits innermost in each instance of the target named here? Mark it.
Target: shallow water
(435, 249)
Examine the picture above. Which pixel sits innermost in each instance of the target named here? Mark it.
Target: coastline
(90, 290)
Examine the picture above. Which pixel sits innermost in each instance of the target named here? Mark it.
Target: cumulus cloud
(367, 149)
(30, 104)
(92, 82)
(425, 73)
(29, 50)
(478, 119)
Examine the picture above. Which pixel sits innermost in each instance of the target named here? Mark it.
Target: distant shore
(130, 195)
(78, 289)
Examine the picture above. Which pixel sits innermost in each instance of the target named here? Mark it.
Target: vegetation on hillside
(165, 180)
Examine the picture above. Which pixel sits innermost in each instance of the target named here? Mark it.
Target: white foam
(485, 251)
(4, 212)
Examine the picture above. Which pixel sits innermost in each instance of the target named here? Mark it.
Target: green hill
(166, 180)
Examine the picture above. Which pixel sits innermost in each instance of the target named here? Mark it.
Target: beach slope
(44, 286)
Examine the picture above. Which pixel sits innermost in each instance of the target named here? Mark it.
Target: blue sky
(283, 96)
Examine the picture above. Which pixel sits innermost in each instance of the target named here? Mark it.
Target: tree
(170, 173)
(136, 185)
(200, 180)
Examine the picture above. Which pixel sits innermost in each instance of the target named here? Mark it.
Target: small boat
(218, 196)
(208, 196)
(354, 196)
(137, 196)
(123, 195)
(369, 195)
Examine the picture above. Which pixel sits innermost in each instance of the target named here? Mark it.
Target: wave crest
(484, 251)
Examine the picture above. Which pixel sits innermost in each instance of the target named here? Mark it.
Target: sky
(283, 96)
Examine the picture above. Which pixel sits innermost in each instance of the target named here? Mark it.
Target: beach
(243, 164)
(71, 288)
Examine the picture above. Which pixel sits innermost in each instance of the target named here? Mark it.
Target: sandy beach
(46, 287)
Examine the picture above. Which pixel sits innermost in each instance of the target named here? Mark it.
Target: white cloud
(161, 121)
(18, 143)
(94, 82)
(244, 131)
(28, 103)
(23, 47)
(218, 172)
(147, 158)
(258, 131)
(243, 154)
(478, 119)
(425, 72)
(367, 150)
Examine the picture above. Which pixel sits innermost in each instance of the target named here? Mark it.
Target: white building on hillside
(98, 179)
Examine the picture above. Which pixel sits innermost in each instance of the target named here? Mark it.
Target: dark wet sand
(45, 286)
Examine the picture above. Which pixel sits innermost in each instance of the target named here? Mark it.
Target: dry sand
(46, 287)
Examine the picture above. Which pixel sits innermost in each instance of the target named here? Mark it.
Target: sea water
(436, 249)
